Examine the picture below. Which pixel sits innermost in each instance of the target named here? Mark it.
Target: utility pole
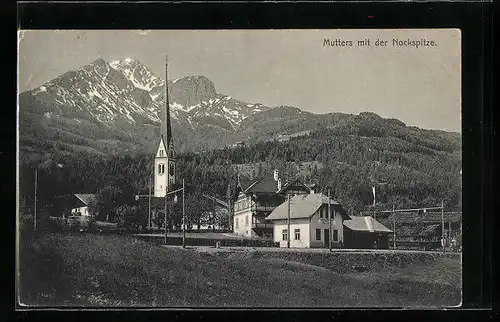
(34, 212)
(288, 229)
(213, 213)
(449, 227)
(461, 237)
(329, 223)
(149, 204)
(442, 225)
(229, 207)
(183, 217)
(394, 226)
(165, 221)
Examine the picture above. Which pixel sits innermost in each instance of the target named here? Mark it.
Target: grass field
(104, 270)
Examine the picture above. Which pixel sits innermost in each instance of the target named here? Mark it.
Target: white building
(309, 222)
(74, 204)
(165, 160)
(257, 199)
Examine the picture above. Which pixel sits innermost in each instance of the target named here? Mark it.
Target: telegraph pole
(449, 227)
(394, 226)
(229, 206)
(34, 212)
(329, 223)
(442, 225)
(183, 217)
(149, 204)
(288, 229)
(165, 220)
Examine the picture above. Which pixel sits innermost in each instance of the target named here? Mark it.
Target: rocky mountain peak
(192, 90)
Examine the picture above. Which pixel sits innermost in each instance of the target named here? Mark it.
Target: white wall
(83, 210)
(302, 224)
(160, 180)
(323, 223)
(308, 228)
(242, 218)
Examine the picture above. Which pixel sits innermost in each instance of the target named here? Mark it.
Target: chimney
(276, 177)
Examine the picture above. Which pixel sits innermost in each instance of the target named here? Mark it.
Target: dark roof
(86, 198)
(428, 217)
(218, 201)
(304, 206)
(244, 182)
(296, 181)
(265, 185)
(74, 200)
(365, 223)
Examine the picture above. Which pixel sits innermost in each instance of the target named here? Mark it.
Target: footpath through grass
(103, 270)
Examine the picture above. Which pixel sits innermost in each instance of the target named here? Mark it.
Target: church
(164, 174)
(164, 162)
(164, 168)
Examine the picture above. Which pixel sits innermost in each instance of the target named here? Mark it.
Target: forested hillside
(408, 166)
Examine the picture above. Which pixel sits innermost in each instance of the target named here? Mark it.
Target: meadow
(63, 269)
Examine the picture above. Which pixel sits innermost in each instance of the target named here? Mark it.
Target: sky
(419, 86)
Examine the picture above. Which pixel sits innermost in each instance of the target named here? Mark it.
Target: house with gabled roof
(306, 218)
(364, 232)
(76, 204)
(256, 199)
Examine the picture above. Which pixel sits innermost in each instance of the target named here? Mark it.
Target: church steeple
(164, 163)
(166, 127)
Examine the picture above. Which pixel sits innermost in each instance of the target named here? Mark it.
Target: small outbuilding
(74, 204)
(364, 232)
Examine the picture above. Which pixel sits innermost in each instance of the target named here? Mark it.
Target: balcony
(263, 208)
(262, 225)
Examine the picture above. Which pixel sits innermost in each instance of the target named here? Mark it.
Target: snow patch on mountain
(176, 106)
(126, 91)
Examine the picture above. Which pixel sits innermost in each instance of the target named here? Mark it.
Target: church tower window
(161, 168)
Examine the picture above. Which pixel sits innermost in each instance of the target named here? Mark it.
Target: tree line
(405, 173)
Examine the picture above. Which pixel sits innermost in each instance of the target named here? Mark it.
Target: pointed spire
(166, 127)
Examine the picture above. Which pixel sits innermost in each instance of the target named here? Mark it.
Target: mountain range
(115, 107)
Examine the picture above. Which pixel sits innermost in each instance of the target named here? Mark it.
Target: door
(326, 240)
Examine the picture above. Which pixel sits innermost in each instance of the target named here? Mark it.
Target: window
(318, 234)
(284, 234)
(297, 234)
(246, 220)
(321, 213)
(237, 222)
(171, 169)
(161, 153)
(161, 168)
(335, 235)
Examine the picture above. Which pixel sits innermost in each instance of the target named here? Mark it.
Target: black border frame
(473, 18)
